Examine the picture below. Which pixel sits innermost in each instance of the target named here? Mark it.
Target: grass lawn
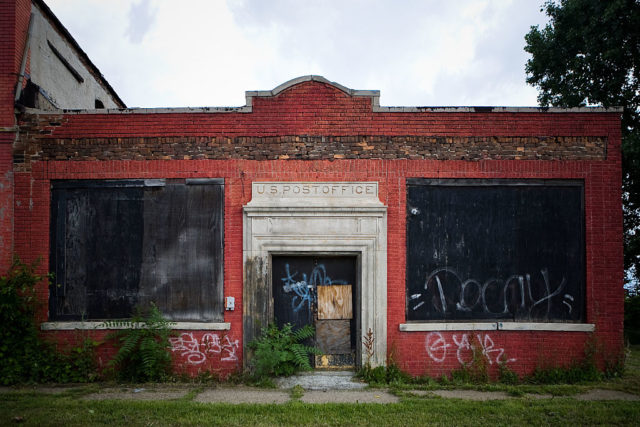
(68, 409)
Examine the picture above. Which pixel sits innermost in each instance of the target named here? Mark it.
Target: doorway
(320, 291)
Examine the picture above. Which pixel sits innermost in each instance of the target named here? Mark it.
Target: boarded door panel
(335, 302)
(319, 291)
(296, 283)
(333, 336)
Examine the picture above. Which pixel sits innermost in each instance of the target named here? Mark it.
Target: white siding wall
(48, 72)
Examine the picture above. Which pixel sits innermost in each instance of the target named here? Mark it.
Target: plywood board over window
(116, 245)
(495, 249)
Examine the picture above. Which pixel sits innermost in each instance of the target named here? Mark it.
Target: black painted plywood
(182, 255)
(495, 249)
(98, 248)
(117, 244)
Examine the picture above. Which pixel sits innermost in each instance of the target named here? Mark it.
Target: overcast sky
(170, 53)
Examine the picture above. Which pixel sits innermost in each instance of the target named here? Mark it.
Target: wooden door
(319, 290)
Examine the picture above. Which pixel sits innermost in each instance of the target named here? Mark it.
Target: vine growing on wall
(25, 357)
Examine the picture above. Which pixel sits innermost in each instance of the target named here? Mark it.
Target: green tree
(589, 54)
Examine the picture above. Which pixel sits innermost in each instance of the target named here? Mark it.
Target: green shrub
(444, 380)
(77, 363)
(505, 374)
(143, 346)
(377, 375)
(577, 372)
(395, 375)
(425, 380)
(380, 375)
(24, 356)
(572, 374)
(473, 372)
(19, 343)
(614, 367)
(281, 352)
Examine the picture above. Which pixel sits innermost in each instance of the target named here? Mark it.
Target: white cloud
(141, 17)
(198, 52)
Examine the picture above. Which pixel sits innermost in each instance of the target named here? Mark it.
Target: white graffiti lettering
(437, 348)
(197, 352)
(445, 292)
(464, 351)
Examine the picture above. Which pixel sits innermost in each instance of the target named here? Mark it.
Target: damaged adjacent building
(415, 233)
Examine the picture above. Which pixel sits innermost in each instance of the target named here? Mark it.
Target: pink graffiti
(197, 352)
(437, 348)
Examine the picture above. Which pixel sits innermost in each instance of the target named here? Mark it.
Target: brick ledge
(197, 326)
(497, 326)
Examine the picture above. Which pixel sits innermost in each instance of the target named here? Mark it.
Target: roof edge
(248, 109)
(373, 94)
(250, 94)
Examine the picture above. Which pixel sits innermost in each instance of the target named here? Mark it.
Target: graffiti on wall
(462, 345)
(446, 292)
(197, 351)
(305, 289)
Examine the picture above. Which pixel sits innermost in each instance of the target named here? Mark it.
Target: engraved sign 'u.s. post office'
(315, 189)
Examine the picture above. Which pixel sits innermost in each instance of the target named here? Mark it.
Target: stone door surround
(317, 218)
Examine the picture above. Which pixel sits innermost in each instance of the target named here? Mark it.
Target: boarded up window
(118, 244)
(495, 249)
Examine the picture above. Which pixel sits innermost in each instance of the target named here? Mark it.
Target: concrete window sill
(194, 326)
(497, 326)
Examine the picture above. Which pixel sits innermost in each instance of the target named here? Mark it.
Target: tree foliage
(589, 54)
(632, 318)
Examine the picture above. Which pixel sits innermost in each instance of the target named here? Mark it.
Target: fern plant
(143, 346)
(281, 352)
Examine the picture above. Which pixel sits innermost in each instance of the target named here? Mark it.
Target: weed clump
(505, 374)
(281, 352)
(143, 346)
(580, 371)
(382, 375)
(474, 372)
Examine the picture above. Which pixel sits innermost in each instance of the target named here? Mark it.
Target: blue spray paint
(305, 290)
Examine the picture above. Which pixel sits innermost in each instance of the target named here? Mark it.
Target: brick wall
(14, 22)
(310, 148)
(313, 124)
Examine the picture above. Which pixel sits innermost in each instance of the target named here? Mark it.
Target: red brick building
(414, 233)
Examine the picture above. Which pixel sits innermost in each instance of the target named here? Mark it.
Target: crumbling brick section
(37, 144)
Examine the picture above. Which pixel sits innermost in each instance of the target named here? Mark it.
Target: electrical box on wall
(230, 303)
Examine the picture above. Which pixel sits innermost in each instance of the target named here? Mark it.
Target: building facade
(412, 234)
